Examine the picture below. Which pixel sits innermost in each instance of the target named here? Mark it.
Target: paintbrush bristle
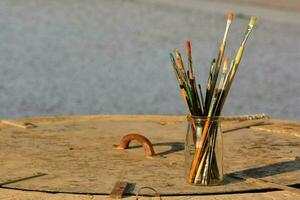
(227, 59)
(177, 53)
(172, 58)
(230, 16)
(188, 46)
(226, 62)
(252, 21)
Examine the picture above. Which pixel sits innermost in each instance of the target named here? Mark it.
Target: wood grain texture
(76, 154)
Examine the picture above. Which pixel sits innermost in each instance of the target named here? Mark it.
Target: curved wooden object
(124, 144)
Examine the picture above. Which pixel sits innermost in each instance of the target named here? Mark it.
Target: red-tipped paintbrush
(220, 57)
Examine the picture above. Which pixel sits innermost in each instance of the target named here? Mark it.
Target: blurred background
(62, 57)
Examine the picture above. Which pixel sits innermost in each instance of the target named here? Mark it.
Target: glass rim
(198, 118)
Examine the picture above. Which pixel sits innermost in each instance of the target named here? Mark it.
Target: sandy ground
(86, 57)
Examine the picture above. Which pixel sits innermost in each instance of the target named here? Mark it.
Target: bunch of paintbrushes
(210, 106)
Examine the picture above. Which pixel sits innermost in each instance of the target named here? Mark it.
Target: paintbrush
(221, 89)
(195, 163)
(201, 98)
(208, 87)
(180, 65)
(189, 54)
(198, 106)
(220, 56)
(223, 44)
(187, 84)
(180, 82)
(237, 60)
(223, 74)
(215, 97)
(218, 93)
(201, 163)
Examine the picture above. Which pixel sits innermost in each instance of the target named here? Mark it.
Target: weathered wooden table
(76, 159)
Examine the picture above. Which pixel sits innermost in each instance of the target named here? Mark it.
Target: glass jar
(204, 151)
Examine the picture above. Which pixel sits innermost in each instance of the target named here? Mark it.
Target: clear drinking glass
(204, 151)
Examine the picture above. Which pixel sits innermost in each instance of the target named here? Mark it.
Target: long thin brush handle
(200, 168)
(180, 65)
(205, 131)
(199, 150)
(189, 106)
(223, 73)
(186, 82)
(178, 73)
(220, 54)
(180, 82)
(218, 64)
(197, 106)
(208, 88)
(201, 98)
(222, 86)
(212, 147)
(214, 75)
(237, 60)
(189, 54)
(230, 77)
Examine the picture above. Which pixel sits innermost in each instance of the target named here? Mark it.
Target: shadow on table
(238, 176)
(268, 170)
(174, 147)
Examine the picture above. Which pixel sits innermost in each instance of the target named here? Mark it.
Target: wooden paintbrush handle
(199, 150)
